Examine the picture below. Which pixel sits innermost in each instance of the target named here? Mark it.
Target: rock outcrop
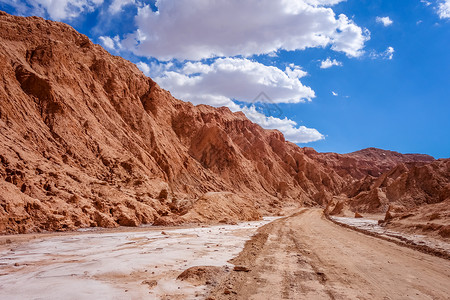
(370, 161)
(414, 197)
(405, 187)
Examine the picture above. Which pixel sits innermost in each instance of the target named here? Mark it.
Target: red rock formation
(406, 186)
(370, 161)
(414, 197)
(87, 140)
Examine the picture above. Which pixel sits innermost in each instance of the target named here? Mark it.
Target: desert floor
(306, 256)
(122, 263)
(303, 256)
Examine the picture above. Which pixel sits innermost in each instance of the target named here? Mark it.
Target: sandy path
(306, 256)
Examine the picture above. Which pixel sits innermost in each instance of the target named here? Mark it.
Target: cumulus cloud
(349, 38)
(198, 29)
(235, 78)
(110, 43)
(386, 21)
(290, 129)
(145, 68)
(56, 9)
(328, 63)
(107, 42)
(444, 9)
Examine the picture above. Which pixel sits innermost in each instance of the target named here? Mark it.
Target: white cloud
(387, 54)
(107, 42)
(334, 93)
(290, 129)
(56, 9)
(110, 43)
(294, 71)
(235, 78)
(349, 38)
(117, 5)
(145, 68)
(198, 29)
(444, 9)
(386, 21)
(328, 63)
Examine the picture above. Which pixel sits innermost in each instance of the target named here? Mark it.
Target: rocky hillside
(414, 197)
(370, 161)
(407, 185)
(401, 189)
(87, 140)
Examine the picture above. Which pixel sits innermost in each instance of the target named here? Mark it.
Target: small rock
(241, 269)
(163, 233)
(202, 275)
(358, 215)
(150, 283)
(226, 292)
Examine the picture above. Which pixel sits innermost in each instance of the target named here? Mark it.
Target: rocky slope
(413, 196)
(370, 161)
(87, 140)
(402, 188)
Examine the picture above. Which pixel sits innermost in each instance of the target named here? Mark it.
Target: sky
(335, 75)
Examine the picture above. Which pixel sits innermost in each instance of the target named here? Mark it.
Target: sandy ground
(436, 245)
(116, 264)
(306, 256)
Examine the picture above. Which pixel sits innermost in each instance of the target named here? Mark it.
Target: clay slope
(87, 140)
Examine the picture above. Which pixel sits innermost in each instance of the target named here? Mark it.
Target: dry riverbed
(138, 264)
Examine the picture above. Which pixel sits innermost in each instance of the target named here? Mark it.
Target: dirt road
(306, 256)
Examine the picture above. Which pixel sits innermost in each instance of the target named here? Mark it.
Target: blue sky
(337, 75)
